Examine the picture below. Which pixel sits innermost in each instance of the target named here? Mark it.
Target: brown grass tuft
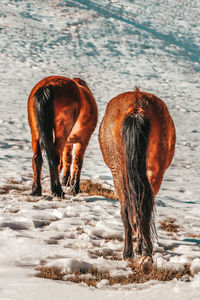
(115, 238)
(98, 253)
(192, 235)
(169, 225)
(50, 273)
(96, 189)
(87, 186)
(6, 188)
(95, 275)
(32, 199)
(80, 230)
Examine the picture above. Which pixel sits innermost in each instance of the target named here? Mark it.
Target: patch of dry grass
(195, 236)
(114, 238)
(96, 189)
(32, 199)
(87, 186)
(80, 230)
(6, 188)
(50, 273)
(169, 225)
(137, 276)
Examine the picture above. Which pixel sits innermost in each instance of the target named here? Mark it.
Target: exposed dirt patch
(96, 189)
(195, 236)
(94, 276)
(114, 238)
(169, 225)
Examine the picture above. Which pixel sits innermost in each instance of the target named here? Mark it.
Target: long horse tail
(140, 199)
(45, 120)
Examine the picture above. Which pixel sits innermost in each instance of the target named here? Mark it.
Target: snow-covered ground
(113, 45)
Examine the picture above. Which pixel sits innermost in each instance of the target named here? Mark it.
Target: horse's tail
(140, 200)
(45, 120)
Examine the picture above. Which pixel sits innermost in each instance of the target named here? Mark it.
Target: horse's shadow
(94, 199)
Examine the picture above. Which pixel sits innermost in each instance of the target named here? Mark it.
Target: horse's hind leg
(137, 240)
(53, 157)
(54, 160)
(128, 240)
(77, 166)
(67, 161)
(54, 175)
(37, 167)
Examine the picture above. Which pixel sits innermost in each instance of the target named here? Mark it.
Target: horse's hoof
(61, 195)
(128, 255)
(58, 194)
(74, 190)
(146, 264)
(129, 258)
(57, 191)
(37, 194)
(36, 191)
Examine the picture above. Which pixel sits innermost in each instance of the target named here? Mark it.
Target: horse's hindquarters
(59, 107)
(137, 140)
(161, 144)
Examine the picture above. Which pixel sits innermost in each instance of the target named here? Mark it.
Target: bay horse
(61, 112)
(137, 139)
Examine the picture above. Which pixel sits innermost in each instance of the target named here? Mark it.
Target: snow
(114, 46)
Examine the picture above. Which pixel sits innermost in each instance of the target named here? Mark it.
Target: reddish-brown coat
(159, 153)
(75, 118)
(162, 135)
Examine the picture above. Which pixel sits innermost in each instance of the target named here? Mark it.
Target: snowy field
(114, 46)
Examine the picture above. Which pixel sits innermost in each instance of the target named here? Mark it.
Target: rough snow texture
(113, 45)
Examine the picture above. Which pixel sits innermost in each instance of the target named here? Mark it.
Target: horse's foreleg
(77, 166)
(67, 161)
(37, 167)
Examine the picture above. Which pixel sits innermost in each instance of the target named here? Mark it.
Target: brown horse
(61, 112)
(137, 139)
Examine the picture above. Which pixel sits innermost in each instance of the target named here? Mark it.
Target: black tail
(136, 129)
(45, 120)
